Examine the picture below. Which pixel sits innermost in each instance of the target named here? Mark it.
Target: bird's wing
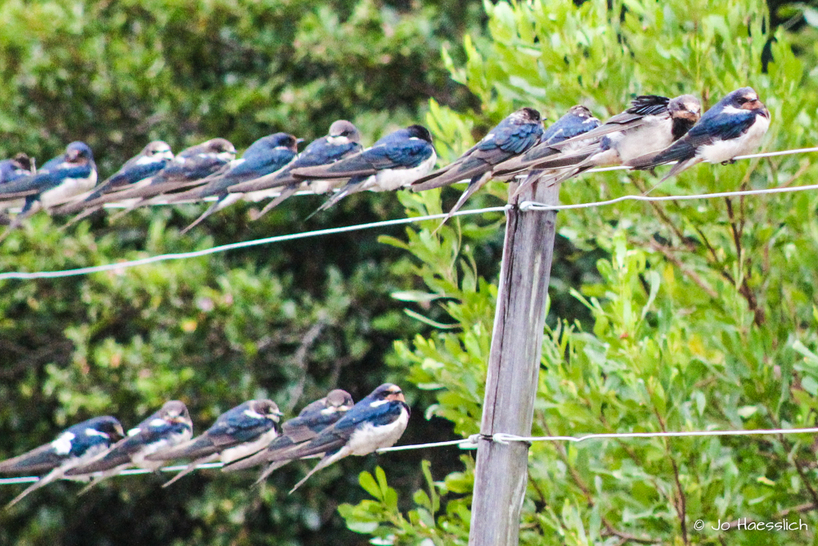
(405, 154)
(200, 446)
(704, 133)
(40, 459)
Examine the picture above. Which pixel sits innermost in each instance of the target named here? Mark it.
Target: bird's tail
(285, 193)
(475, 184)
(84, 214)
(213, 208)
(28, 210)
(326, 461)
(354, 185)
(190, 468)
(272, 467)
(45, 480)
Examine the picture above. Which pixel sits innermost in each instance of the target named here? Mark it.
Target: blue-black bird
(188, 168)
(137, 170)
(237, 433)
(577, 121)
(166, 428)
(267, 155)
(75, 446)
(17, 167)
(511, 137)
(393, 162)
(60, 179)
(56, 182)
(375, 422)
(343, 140)
(650, 124)
(314, 418)
(734, 126)
(10, 170)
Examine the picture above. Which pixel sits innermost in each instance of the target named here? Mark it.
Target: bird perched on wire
(188, 168)
(18, 166)
(376, 421)
(266, 155)
(73, 447)
(577, 121)
(391, 163)
(314, 418)
(165, 429)
(650, 124)
(10, 170)
(56, 182)
(734, 126)
(137, 170)
(343, 140)
(511, 137)
(238, 432)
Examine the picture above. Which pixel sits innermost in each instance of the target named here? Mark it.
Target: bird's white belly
(725, 150)
(248, 448)
(324, 186)
(260, 195)
(394, 179)
(70, 187)
(368, 438)
(139, 459)
(650, 137)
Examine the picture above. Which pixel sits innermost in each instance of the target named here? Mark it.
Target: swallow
(343, 140)
(314, 418)
(58, 180)
(577, 121)
(511, 137)
(188, 168)
(376, 421)
(166, 428)
(73, 447)
(10, 170)
(17, 167)
(266, 155)
(238, 432)
(734, 126)
(651, 124)
(392, 162)
(137, 170)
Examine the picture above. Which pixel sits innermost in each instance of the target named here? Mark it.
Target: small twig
(681, 504)
(678, 263)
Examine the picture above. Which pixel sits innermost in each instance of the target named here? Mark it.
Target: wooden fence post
(514, 362)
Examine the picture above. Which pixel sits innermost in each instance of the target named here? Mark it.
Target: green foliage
(118, 74)
(288, 322)
(703, 313)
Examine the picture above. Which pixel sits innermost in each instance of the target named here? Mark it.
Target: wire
(234, 246)
(126, 472)
(531, 205)
(525, 206)
(472, 441)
